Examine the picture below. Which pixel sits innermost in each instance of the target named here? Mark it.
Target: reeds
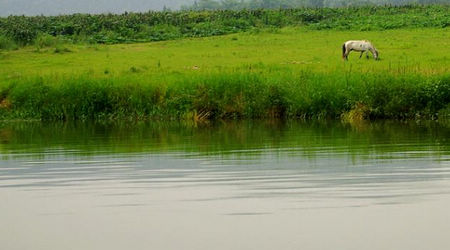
(227, 95)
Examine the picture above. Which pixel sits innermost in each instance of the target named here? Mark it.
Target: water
(234, 185)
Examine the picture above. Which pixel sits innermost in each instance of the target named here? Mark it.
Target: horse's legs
(362, 52)
(367, 54)
(347, 52)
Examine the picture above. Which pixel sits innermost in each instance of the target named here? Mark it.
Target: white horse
(361, 46)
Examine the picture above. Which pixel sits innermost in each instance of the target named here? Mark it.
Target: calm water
(236, 185)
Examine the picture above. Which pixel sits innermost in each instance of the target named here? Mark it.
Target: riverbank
(287, 73)
(230, 96)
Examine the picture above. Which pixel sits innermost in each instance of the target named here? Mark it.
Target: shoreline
(305, 95)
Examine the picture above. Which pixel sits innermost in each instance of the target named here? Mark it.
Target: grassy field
(424, 51)
(289, 72)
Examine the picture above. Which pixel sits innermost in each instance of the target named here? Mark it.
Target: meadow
(413, 51)
(268, 72)
(290, 72)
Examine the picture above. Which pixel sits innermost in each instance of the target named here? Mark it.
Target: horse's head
(376, 54)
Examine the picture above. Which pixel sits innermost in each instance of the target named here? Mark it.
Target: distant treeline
(166, 25)
(286, 4)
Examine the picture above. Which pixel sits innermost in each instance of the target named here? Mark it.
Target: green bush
(156, 26)
(158, 32)
(45, 41)
(7, 43)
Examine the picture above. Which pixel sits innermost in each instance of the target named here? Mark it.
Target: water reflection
(218, 138)
(385, 162)
(234, 185)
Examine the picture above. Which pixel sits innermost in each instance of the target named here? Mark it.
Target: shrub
(45, 40)
(7, 43)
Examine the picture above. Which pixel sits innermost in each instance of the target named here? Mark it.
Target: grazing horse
(361, 46)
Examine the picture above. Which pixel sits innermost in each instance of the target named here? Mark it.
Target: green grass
(424, 51)
(290, 72)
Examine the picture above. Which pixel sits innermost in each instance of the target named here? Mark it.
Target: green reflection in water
(223, 138)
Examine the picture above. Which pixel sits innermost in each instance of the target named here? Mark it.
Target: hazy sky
(55, 7)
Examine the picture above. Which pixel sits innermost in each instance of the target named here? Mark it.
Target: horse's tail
(343, 50)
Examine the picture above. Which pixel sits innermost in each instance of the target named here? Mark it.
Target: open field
(423, 51)
(289, 72)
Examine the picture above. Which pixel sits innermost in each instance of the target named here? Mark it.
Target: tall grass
(227, 96)
(7, 43)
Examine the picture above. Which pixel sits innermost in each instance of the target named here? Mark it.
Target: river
(224, 185)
